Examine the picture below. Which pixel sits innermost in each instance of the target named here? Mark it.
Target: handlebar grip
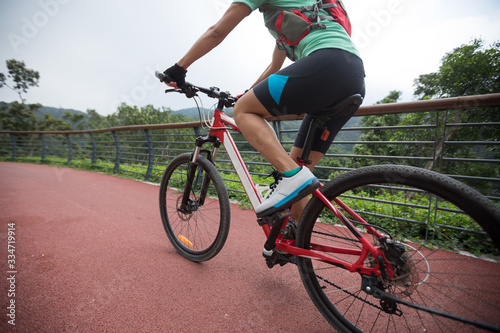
(163, 77)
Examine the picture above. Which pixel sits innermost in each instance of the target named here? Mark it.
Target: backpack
(339, 14)
(293, 24)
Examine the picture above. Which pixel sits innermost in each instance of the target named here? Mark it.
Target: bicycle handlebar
(190, 91)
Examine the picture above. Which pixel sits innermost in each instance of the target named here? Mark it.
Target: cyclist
(326, 69)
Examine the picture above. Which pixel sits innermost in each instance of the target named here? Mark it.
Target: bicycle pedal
(271, 257)
(274, 258)
(274, 217)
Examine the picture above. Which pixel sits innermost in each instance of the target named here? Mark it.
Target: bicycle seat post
(306, 150)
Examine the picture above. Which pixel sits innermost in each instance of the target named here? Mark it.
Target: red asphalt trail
(91, 255)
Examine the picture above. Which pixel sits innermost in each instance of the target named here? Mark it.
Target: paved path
(91, 256)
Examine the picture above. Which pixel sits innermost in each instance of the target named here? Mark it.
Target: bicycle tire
(200, 234)
(452, 282)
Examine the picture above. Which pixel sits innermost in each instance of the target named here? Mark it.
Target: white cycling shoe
(287, 190)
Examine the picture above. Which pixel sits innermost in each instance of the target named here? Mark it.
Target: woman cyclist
(326, 69)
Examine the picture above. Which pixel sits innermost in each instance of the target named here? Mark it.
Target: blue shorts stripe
(276, 85)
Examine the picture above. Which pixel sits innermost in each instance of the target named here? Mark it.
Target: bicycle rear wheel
(199, 230)
(427, 213)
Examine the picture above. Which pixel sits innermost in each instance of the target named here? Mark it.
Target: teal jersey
(334, 36)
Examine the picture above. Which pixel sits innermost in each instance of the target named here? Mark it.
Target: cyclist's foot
(287, 190)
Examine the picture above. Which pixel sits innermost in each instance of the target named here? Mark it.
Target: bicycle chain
(349, 293)
(335, 236)
(338, 287)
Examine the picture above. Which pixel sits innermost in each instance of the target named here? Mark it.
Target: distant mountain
(55, 112)
(191, 112)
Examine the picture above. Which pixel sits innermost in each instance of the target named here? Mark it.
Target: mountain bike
(376, 247)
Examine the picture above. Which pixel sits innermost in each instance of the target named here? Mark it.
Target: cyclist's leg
(249, 115)
(292, 183)
(314, 157)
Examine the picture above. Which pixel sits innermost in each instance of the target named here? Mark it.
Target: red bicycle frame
(219, 128)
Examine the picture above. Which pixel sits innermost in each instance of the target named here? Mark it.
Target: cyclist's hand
(178, 76)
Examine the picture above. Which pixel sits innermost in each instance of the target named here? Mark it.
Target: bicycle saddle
(341, 108)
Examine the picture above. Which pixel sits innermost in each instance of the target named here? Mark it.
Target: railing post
(70, 148)
(94, 150)
(440, 156)
(117, 158)
(14, 146)
(43, 147)
(150, 155)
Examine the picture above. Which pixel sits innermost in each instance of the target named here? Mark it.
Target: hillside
(55, 112)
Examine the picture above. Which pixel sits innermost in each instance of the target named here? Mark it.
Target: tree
(18, 116)
(50, 123)
(467, 70)
(471, 69)
(76, 121)
(22, 78)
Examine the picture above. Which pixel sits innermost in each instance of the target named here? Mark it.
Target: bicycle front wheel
(198, 227)
(447, 271)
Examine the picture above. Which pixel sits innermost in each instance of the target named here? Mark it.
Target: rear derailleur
(372, 286)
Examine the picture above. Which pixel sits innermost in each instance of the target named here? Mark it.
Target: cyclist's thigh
(248, 103)
(321, 79)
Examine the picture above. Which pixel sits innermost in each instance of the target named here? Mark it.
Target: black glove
(177, 74)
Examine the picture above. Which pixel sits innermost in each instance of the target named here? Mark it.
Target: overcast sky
(96, 54)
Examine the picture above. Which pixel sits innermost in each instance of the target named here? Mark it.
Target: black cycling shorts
(322, 79)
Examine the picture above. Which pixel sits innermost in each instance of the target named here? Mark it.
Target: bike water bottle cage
(291, 25)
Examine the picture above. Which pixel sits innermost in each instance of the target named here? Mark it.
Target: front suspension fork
(193, 178)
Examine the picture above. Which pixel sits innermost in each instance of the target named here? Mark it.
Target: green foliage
(18, 117)
(22, 78)
(467, 70)
(74, 120)
(419, 219)
(376, 135)
(49, 123)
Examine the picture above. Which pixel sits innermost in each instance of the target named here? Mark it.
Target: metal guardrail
(146, 149)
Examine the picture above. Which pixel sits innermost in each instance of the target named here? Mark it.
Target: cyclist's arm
(276, 64)
(216, 33)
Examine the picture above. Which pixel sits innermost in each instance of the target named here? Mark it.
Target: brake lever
(188, 90)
